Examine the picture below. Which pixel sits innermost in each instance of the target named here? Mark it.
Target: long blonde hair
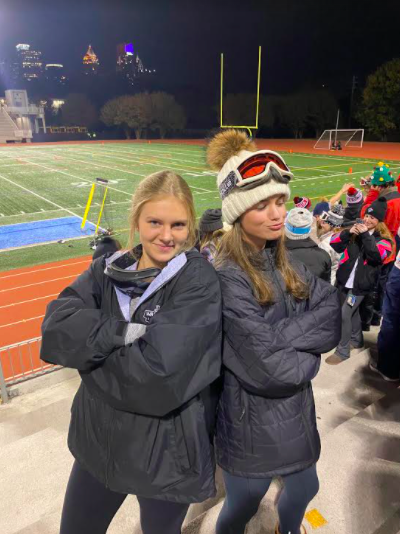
(234, 247)
(385, 232)
(159, 184)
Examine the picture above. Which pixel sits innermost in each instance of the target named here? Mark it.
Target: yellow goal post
(249, 128)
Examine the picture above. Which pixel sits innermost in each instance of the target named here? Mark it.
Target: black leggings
(89, 507)
(244, 495)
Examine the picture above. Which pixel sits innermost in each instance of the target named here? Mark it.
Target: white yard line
(125, 170)
(40, 196)
(322, 178)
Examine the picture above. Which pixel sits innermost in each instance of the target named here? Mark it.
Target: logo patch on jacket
(149, 314)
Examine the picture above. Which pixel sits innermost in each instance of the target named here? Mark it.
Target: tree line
(301, 113)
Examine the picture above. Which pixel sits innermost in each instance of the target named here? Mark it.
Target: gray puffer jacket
(266, 422)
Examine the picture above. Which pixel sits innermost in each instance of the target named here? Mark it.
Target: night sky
(305, 42)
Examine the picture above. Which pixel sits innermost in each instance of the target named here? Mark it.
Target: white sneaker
(374, 367)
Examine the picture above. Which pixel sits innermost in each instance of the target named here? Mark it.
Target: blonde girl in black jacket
(277, 320)
(143, 328)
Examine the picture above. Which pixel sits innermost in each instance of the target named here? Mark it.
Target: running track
(24, 295)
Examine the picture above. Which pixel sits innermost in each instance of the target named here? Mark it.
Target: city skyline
(307, 42)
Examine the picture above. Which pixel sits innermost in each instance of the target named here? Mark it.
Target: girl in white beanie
(278, 318)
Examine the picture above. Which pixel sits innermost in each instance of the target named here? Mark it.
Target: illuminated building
(129, 64)
(29, 62)
(55, 73)
(90, 62)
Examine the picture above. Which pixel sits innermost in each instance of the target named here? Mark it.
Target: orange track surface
(24, 295)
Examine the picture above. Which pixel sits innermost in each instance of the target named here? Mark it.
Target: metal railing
(26, 110)
(20, 362)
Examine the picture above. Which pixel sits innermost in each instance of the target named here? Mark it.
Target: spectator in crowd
(364, 248)
(105, 244)
(211, 231)
(302, 202)
(383, 186)
(143, 417)
(365, 184)
(388, 364)
(277, 319)
(328, 225)
(304, 249)
(354, 200)
(320, 207)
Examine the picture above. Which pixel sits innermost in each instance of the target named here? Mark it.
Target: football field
(44, 190)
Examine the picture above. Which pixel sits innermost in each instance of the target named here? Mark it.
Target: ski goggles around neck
(260, 168)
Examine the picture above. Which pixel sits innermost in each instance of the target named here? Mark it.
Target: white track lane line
(23, 321)
(26, 301)
(46, 269)
(40, 283)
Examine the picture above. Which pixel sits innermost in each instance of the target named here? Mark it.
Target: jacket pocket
(179, 444)
(245, 424)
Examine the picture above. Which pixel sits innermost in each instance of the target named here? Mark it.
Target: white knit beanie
(298, 223)
(226, 152)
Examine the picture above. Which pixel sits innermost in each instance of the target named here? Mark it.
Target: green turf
(45, 182)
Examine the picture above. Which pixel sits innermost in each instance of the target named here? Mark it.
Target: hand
(354, 230)
(362, 228)
(346, 187)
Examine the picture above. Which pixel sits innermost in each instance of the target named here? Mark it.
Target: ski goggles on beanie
(252, 170)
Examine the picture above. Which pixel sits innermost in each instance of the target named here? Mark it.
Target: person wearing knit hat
(355, 200)
(271, 348)
(211, 230)
(384, 186)
(329, 224)
(377, 209)
(302, 202)
(246, 175)
(210, 221)
(297, 229)
(320, 207)
(363, 248)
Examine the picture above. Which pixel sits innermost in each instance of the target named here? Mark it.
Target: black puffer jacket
(369, 250)
(308, 252)
(266, 420)
(143, 418)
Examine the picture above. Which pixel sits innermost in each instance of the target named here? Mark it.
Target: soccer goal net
(340, 139)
